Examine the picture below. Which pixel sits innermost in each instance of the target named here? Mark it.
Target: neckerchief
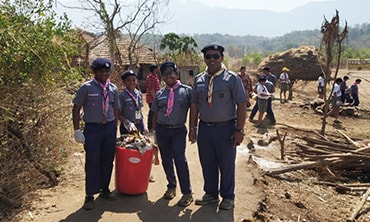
(136, 99)
(171, 98)
(105, 100)
(210, 85)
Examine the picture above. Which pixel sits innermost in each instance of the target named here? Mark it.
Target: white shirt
(284, 77)
(262, 92)
(320, 81)
(336, 90)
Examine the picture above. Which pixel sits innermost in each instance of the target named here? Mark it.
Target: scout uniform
(131, 102)
(99, 104)
(171, 133)
(217, 124)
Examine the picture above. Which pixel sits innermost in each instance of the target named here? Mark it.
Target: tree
(181, 49)
(331, 42)
(134, 20)
(36, 53)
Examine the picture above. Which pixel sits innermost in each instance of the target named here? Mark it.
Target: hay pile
(304, 63)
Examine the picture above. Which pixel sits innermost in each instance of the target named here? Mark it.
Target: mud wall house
(97, 45)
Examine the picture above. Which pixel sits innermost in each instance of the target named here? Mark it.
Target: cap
(101, 63)
(285, 69)
(213, 46)
(128, 73)
(262, 78)
(266, 68)
(165, 65)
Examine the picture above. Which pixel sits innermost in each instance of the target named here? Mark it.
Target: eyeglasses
(214, 56)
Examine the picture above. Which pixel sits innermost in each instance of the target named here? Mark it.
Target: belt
(171, 126)
(101, 123)
(218, 123)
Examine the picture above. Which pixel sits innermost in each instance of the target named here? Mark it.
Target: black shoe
(226, 204)
(107, 195)
(206, 199)
(89, 203)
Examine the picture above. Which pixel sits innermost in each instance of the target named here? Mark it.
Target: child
(170, 108)
(263, 96)
(131, 101)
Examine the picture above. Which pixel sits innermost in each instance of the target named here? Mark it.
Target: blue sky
(273, 5)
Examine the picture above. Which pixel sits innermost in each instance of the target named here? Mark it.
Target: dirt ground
(292, 196)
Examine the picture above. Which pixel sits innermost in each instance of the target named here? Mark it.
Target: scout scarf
(105, 100)
(171, 97)
(136, 99)
(210, 84)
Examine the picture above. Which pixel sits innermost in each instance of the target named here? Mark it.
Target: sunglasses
(214, 56)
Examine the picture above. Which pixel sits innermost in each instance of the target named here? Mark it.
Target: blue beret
(101, 63)
(168, 64)
(127, 74)
(213, 46)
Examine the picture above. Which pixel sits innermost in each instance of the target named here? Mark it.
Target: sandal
(170, 194)
(185, 200)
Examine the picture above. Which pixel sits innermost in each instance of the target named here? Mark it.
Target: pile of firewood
(339, 154)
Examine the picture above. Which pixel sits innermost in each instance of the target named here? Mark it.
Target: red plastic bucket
(133, 170)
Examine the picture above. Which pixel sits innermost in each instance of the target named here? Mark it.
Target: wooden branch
(328, 143)
(359, 205)
(348, 138)
(281, 141)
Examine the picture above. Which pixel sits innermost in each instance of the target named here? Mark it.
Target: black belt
(101, 123)
(171, 126)
(232, 121)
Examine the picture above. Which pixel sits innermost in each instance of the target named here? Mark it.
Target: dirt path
(63, 203)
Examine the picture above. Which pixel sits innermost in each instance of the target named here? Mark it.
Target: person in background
(284, 84)
(336, 100)
(247, 83)
(354, 92)
(320, 86)
(344, 90)
(219, 101)
(170, 108)
(262, 100)
(152, 87)
(99, 100)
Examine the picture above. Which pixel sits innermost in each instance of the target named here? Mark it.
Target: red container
(133, 170)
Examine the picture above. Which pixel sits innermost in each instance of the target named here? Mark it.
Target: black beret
(266, 68)
(101, 63)
(262, 78)
(127, 74)
(213, 46)
(168, 64)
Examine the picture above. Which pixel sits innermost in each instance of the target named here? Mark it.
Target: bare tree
(331, 42)
(134, 20)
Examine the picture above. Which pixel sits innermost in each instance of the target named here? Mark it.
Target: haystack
(304, 63)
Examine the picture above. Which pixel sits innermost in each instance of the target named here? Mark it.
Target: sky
(187, 16)
(272, 5)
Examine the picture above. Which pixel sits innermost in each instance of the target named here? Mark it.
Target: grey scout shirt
(128, 104)
(228, 90)
(180, 107)
(90, 96)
